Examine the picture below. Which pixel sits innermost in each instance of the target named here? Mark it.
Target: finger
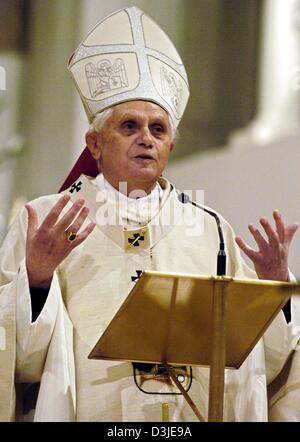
(260, 241)
(280, 228)
(84, 234)
(271, 234)
(290, 232)
(75, 226)
(54, 213)
(71, 214)
(254, 256)
(32, 220)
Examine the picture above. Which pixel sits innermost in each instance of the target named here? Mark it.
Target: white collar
(133, 211)
(107, 188)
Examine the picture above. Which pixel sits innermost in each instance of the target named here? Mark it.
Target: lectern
(184, 319)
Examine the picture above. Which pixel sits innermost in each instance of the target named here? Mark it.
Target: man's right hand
(47, 245)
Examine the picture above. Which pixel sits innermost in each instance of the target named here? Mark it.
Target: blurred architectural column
(279, 76)
(220, 53)
(11, 68)
(47, 97)
(11, 143)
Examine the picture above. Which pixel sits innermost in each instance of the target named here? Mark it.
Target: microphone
(221, 257)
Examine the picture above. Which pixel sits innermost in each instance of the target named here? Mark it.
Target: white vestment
(88, 289)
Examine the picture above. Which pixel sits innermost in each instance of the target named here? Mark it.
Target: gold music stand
(196, 321)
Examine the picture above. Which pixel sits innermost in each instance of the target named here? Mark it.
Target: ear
(93, 144)
(171, 146)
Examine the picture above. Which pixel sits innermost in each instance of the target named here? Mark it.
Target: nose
(145, 138)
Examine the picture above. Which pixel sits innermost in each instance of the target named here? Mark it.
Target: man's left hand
(271, 259)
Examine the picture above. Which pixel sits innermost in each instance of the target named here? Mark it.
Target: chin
(145, 174)
(148, 178)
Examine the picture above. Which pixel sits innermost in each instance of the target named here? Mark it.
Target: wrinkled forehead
(140, 108)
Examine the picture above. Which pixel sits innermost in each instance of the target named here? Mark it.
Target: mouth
(144, 157)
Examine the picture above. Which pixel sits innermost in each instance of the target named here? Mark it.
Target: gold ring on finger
(71, 236)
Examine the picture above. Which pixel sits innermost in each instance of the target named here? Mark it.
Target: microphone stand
(221, 257)
(218, 338)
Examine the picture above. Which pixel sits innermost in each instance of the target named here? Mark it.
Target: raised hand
(271, 259)
(47, 245)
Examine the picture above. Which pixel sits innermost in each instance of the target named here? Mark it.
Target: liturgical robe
(87, 290)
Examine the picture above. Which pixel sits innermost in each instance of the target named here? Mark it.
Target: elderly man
(70, 260)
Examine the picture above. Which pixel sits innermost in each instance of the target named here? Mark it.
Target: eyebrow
(135, 116)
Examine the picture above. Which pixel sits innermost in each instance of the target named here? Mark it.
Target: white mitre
(129, 57)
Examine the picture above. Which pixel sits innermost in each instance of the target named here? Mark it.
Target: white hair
(99, 121)
(101, 118)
